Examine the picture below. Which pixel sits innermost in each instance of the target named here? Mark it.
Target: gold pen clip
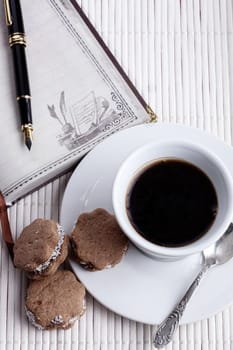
(7, 12)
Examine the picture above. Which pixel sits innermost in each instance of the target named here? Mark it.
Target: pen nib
(28, 143)
(27, 130)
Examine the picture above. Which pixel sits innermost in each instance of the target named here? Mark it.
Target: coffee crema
(171, 203)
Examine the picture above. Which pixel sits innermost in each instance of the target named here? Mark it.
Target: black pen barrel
(25, 110)
(21, 72)
(17, 25)
(17, 42)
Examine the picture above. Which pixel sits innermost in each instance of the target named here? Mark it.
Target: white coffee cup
(199, 156)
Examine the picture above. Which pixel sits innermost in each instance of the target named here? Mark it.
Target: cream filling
(58, 320)
(88, 265)
(55, 254)
(31, 317)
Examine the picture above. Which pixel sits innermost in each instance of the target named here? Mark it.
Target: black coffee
(172, 203)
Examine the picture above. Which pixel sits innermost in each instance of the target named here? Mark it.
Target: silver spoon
(216, 254)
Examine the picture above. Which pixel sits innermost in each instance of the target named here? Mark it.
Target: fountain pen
(17, 43)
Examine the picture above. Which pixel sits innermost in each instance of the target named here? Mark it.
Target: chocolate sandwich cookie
(41, 248)
(98, 241)
(56, 301)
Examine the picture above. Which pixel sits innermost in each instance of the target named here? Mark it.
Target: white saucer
(141, 288)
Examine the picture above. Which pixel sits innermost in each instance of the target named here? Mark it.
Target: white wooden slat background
(179, 54)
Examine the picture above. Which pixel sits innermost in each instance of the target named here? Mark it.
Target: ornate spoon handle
(168, 327)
